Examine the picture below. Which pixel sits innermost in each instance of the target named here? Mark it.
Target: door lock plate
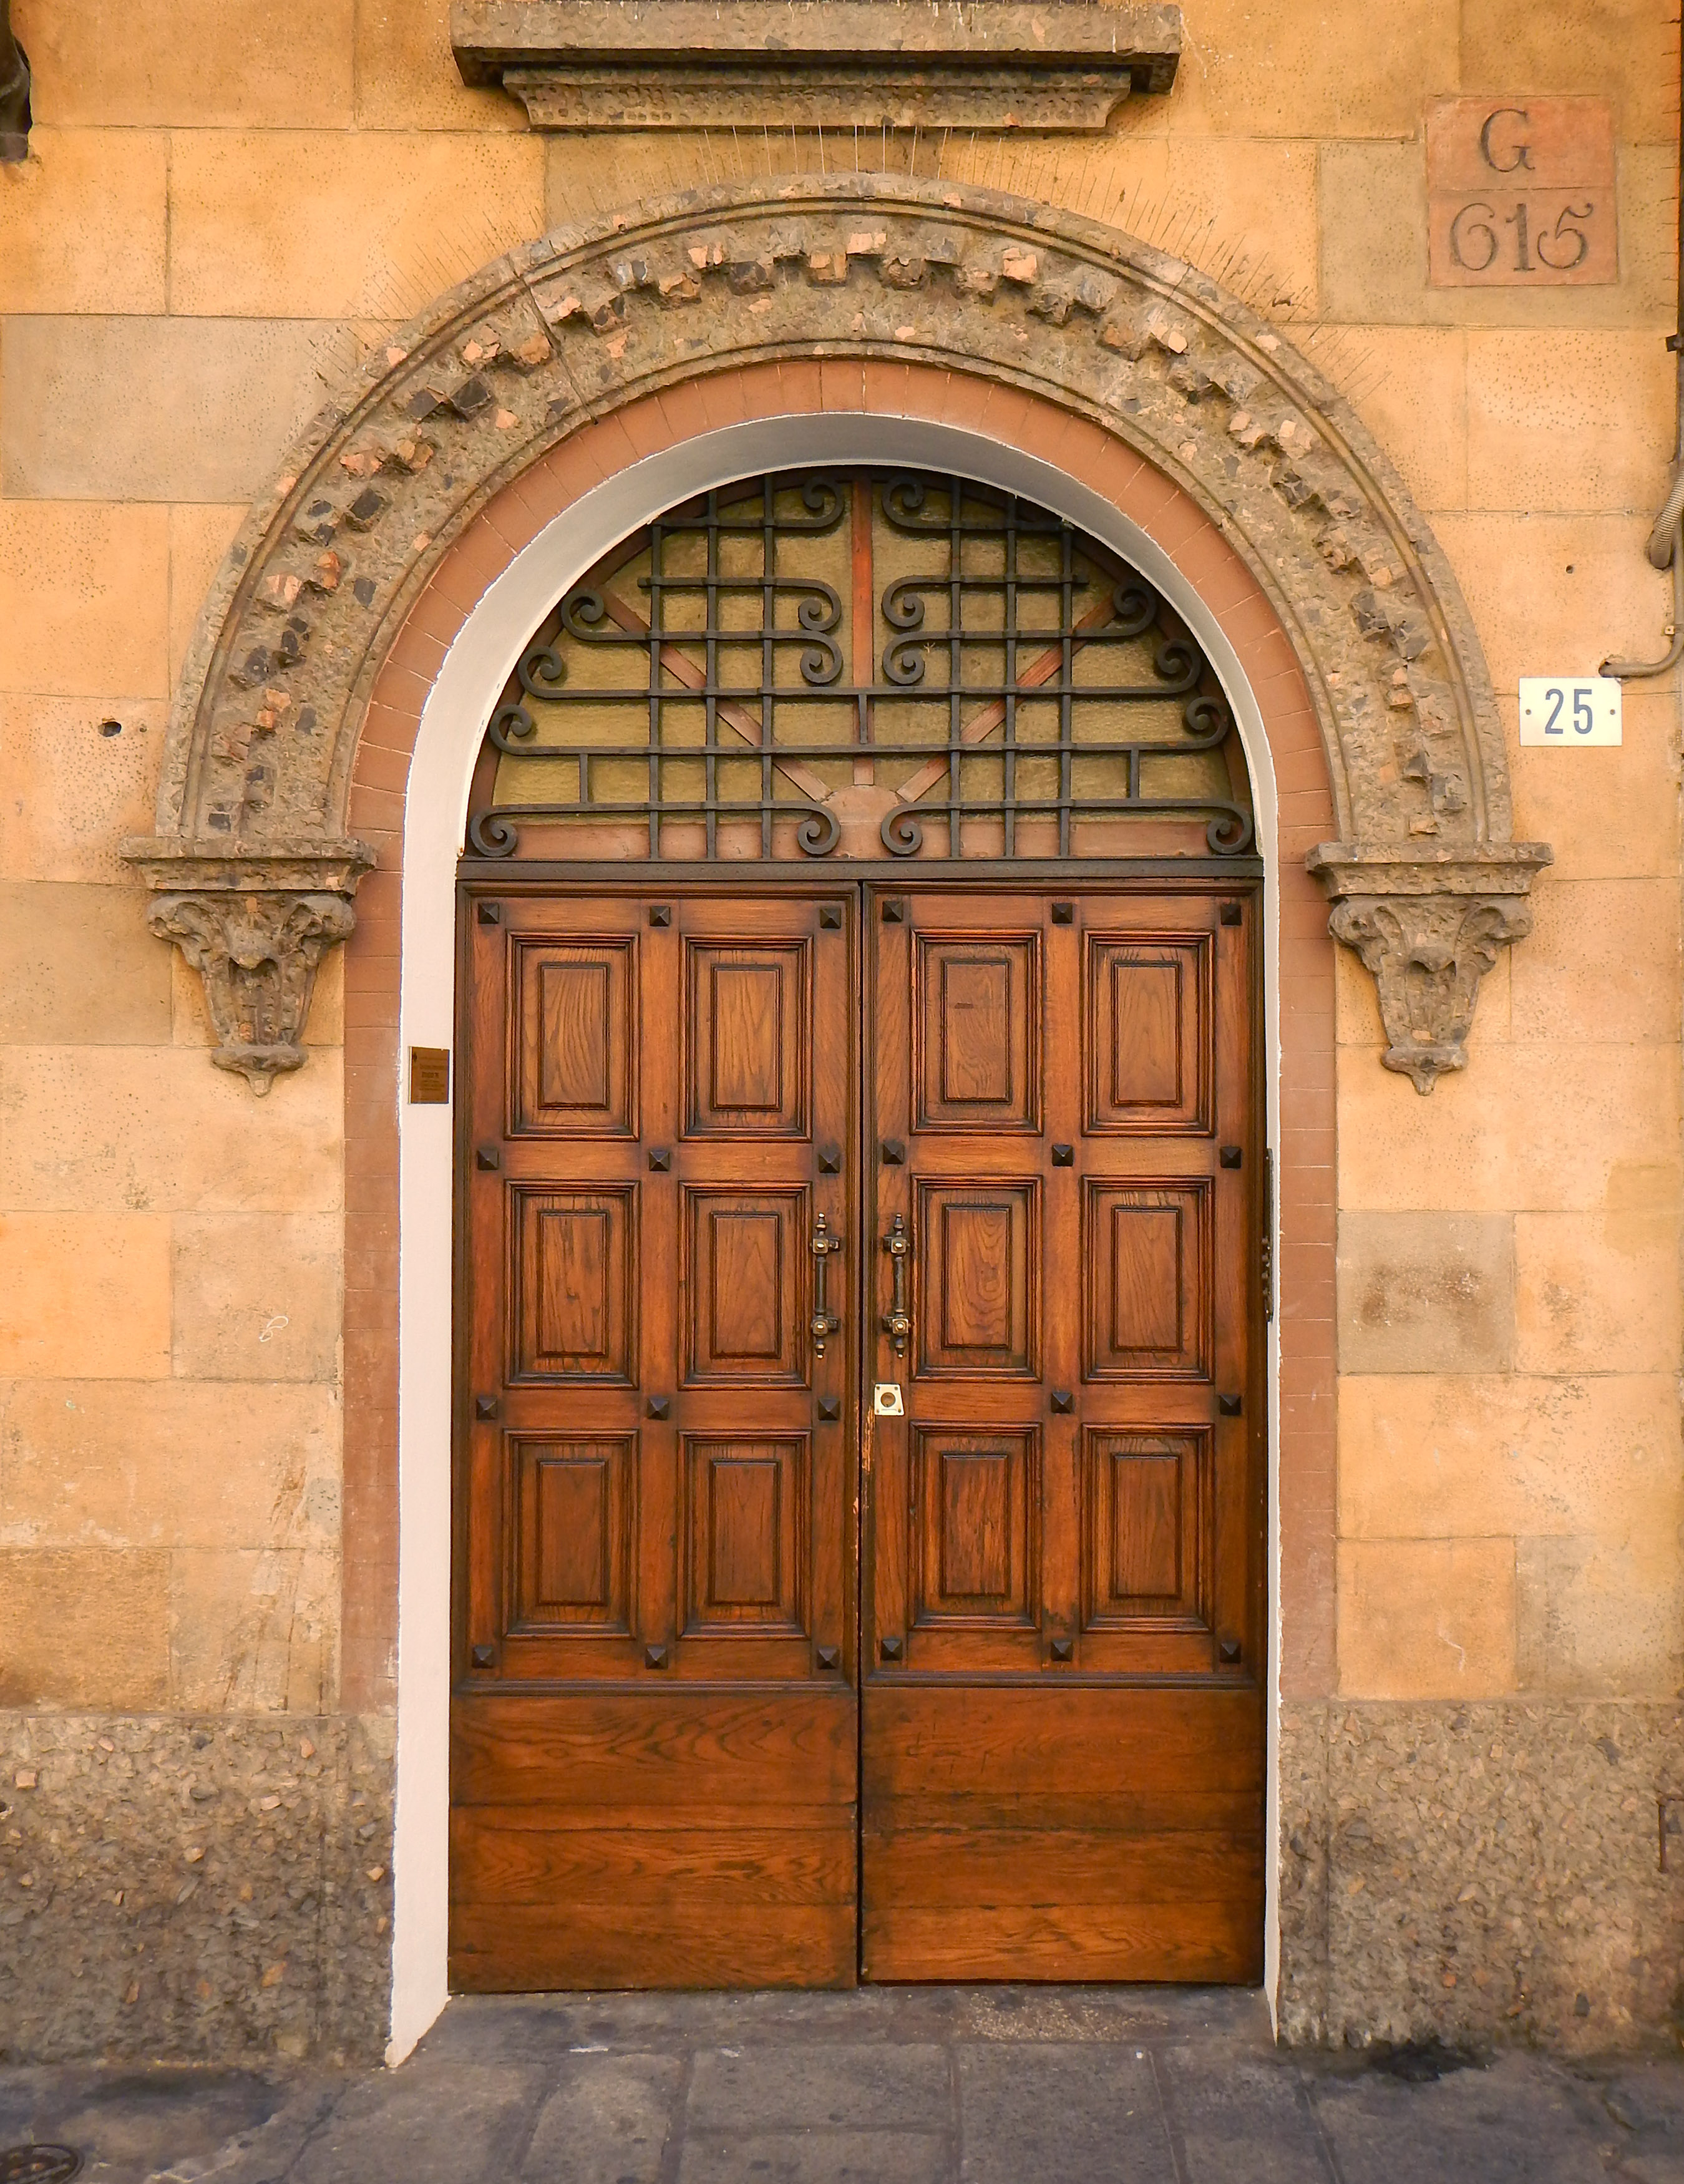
(886, 1400)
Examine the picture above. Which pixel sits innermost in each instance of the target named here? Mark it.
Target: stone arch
(251, 861)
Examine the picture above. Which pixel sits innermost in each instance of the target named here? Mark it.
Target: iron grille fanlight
(960, 655)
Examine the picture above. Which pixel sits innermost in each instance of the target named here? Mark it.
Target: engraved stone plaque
(1520, 194)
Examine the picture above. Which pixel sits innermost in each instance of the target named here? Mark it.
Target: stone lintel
(992, 65)
(1494, 868)
(173, 864)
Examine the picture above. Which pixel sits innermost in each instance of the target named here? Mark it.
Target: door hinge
(1266, 1255)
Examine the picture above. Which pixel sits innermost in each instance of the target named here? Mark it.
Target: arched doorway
(860, 1448)
(354, 645)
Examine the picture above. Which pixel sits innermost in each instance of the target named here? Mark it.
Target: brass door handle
(824, 1323)
(897, 1321)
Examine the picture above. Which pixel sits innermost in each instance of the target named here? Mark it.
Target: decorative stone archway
(251, 865)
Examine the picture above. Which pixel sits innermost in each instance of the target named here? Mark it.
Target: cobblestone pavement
(889, 2086)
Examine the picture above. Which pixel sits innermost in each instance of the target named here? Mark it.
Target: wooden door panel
(1061, 1704)
(1148, 1526)
(1148, 1009)
(743, 1280)
(507, 1854)
(745, 1531)
(574, 1038)
(572, 1284)
(1118, 1938)
(746, 1050)
(1146, 1279)
(1113, 1834)
(978, 1283)
(571, 1528)
(976, 1533)
(977, 1030)
(691, 1940)
(655, 1509)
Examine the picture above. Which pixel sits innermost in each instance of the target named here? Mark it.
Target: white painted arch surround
(452, 726)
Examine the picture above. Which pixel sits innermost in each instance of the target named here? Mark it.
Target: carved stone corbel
(255, 925)
(1429, 927)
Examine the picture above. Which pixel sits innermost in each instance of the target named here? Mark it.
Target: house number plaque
(1520, 194)
(1563, 712)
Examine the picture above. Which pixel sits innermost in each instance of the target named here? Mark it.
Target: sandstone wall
(224, 206)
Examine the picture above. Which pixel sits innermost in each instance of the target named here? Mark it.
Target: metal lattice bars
(978, 657)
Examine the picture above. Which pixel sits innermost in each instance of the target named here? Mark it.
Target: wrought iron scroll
(1008, 638)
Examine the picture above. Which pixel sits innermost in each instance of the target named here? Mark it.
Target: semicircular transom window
(857, 664)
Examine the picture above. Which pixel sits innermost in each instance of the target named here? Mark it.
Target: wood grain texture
(1066, 1508)
(662, 1775)
(653, 1730)
(573, 1038)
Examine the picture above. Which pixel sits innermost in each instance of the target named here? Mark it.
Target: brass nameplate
(429, 1076)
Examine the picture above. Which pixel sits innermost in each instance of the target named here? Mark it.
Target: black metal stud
(1228, 1652)
(828, 1657)
(1063, 1155)
(830, 916)
(483, 1656)
(1063, 1649)
(891, 1649)
(488, 1156)
(1230, 1406)
(829, 1407)
(655, 1656)
(894, 1153)
(661, 1159)
(661, 913)
(894, 911)
(660, 1406)
(1231, 1155)
(1063, 1400)
(485, 1406)
(490, 913)
(1231, 913)
(830, 1160)
(1064, 913)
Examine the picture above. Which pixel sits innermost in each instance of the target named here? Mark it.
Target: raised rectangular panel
(743, 1279)
(1146, 1516)
(745, 1524)
(745, 1039)
(977, 1032)
(574, 1066)
(1149, 1024)
(570, 1534)
(977, 1306)
(976, 1522)
(1147, 1309)
(572, 1304)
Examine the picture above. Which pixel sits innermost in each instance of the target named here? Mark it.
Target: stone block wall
(223, 208)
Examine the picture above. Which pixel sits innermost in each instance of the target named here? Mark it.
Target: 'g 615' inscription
(1520, 194)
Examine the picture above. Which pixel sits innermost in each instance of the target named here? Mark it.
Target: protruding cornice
(986, 65)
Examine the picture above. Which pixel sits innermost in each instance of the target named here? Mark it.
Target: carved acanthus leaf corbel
(1429, 928)
(256, 926)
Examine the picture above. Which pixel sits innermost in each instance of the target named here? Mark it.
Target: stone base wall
(200, 1890)
(1482, 1873)
(218, 1888)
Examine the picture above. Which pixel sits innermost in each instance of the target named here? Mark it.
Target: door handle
(824, 1323)
(897, 1321)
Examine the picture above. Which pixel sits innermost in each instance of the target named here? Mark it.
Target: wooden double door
(859, 1503)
